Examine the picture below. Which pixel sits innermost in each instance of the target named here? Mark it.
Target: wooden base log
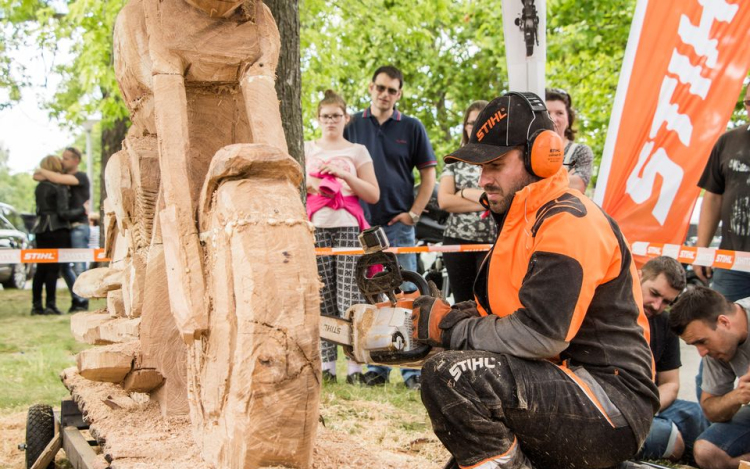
(109, 363)
(262, 354)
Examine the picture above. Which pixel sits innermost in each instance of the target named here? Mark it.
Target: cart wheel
(40, 429)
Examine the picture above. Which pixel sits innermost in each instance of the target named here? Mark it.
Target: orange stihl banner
(682, 73)
(712, 257)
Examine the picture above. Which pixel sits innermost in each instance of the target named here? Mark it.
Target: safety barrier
(50, 256)
(713, 257)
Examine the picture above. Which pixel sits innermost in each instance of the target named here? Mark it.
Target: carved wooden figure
(219, 262)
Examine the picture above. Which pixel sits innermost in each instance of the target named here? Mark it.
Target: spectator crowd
(361, 173)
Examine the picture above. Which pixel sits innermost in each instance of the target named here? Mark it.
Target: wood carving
(211, 245)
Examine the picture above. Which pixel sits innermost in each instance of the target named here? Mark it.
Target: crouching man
(718, 328)
(551, 367)
(678, 423)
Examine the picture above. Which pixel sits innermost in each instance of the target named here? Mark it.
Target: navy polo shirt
(397, 147)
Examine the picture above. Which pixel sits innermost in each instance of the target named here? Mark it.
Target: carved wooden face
(216, 8)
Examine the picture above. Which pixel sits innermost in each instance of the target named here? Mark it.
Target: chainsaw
(380, 331)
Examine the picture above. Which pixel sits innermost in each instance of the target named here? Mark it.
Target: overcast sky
(25, 129)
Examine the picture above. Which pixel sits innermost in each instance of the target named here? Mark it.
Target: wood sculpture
(213, 267)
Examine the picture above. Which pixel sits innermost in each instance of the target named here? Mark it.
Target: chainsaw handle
(410, 276)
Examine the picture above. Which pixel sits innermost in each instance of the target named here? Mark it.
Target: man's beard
(502, 205)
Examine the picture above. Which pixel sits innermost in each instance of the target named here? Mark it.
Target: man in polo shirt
(79, 234)
(397, 144)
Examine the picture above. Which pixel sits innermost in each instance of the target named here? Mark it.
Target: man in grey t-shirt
(718, 328)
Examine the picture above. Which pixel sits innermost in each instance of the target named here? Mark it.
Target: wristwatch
(414, 217)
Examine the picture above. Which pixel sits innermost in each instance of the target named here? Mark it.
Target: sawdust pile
(135, 435)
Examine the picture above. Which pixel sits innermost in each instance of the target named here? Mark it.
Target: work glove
(433, 318)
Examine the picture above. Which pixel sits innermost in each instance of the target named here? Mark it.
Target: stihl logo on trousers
(472, 364)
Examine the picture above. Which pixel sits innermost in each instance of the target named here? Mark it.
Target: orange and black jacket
(560, 284)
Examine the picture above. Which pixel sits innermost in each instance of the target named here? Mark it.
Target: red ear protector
(543, 155)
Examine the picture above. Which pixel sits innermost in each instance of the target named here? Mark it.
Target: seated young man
(678, 423)
(718, 328)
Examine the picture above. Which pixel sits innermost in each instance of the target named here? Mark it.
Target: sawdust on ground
(355, 434)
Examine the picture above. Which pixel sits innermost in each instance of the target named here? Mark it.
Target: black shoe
(413, 383)
(373, 378)
(52, 309)
(328, 377)
(37, 310)
(77, 309)
(355, 378)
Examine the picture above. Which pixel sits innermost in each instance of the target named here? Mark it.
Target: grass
(33, 351)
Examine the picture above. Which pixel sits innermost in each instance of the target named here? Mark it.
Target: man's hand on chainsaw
(433, 318)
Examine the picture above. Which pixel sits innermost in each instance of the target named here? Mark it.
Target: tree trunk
(112, 138)
(288, 74)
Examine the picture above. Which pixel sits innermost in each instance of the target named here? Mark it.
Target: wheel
(40, 429)
(17, 279)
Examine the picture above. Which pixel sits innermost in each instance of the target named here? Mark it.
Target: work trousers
(485, 407)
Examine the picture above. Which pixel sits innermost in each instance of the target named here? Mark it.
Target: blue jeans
(401, 235)
(79, 239)
(732, 284)
(732, 437)
(684, 417)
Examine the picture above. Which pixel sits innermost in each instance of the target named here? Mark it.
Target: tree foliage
(451, 51)
(15, 189)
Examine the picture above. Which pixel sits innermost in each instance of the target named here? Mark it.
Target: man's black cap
(506, 123)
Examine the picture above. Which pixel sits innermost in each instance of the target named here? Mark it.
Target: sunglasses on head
(381, 88)
(563, 93)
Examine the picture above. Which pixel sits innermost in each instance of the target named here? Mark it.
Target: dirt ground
(138, 437)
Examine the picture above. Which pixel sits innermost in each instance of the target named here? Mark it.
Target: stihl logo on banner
(682, 73)
(39, 255)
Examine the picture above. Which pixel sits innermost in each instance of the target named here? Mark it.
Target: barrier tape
(51, 256)
(712, 257)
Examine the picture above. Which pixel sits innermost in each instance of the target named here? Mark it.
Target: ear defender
(544, 153)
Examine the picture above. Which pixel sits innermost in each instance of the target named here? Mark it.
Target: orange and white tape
(50, 256)
(713, 257)
(710, 257)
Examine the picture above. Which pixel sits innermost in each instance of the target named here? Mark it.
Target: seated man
(550, 368)
(718, 328)
(678, 422)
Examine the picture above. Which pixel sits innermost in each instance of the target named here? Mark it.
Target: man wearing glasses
(726, 180)
(397, 144)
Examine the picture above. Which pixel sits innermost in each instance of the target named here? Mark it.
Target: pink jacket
(330, 196)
